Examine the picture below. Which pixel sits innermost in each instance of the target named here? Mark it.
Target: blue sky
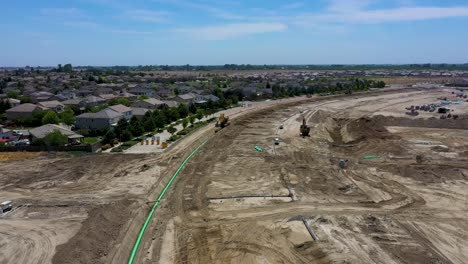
(208, 32)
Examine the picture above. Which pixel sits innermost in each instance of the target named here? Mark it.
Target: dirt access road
(232, 204)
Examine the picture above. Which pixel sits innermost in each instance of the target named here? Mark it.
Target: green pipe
(148, 219)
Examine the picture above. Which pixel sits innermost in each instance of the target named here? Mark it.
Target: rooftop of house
(120, 108)
(170, 103)
(186, 96)
(103, 114)
(50, 104)
(137, 111)
(154, 101)
(25, 108)
(43, 131)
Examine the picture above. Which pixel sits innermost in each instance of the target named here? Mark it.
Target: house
(13, 102)
(52, 105)
(42, 131)
(41, 96)
(73, 102)
(23, 111)
(171, 103)
(150, 103)
(139, 112)
(104, 119)
(185, 98)
(129, 96)
(211, 97)
(122, 109)
(108, 97)
(143, 90)
(84, 92)
(103, 90)
(6, 134)
(93, 100)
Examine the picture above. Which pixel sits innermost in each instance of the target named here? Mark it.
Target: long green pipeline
(148, 219)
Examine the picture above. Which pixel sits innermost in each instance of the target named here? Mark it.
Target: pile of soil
(97, 235)
(350, 131)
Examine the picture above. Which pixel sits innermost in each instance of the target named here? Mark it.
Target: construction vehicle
(412, 113)
(222, 122)
(305, 130)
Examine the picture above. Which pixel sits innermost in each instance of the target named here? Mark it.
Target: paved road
(164, 136)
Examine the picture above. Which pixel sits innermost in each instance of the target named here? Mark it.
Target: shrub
(106, 146)
(117, 149)
(182, 132)
(174, 138)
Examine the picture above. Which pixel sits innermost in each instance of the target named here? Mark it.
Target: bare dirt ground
(232, 204)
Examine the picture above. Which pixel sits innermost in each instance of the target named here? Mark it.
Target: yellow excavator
(305, 129)
(223, 121)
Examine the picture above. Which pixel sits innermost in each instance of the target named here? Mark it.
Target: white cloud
(340, 14)
(147, 15)
(82, 24)
(232, 30)
(60, 11)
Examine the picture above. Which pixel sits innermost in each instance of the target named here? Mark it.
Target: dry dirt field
(233, 204)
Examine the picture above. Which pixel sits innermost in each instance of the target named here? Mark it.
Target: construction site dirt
(401, 198)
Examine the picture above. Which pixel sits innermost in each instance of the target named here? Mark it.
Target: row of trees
(47, 117)
(161, 118)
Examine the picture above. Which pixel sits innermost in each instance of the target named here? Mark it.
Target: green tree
(192, 119)
(13, 94)
(185, 123)
(159, 119)
(55, 138)
(173, 114)
(59, 68)
(137, 128)
(126, 135)
(109, 137)
(68, 68)
(101, 80)
(68, 117)
(176, 91)
(25, 99)
(116, 101)
(50, 118)
(183, 110)
(149, 125)
(200, 113)
(143, 97)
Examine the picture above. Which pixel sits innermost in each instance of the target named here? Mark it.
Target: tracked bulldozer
(223, 121)
(305, 129)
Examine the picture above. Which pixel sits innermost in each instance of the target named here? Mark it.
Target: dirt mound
(348, 131)
(318, 116)
(96, 236)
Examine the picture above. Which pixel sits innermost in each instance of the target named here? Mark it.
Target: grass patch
(91, 140)
(129, 144)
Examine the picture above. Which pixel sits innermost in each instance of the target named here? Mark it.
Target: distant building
(122, 109)
(42, 131)
(104, 119)
(139, 112)
(23, 111)
(52, 105)
(150, 103)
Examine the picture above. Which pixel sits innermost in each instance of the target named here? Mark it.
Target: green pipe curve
(155, 205)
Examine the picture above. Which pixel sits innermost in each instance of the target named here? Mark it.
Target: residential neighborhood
(95, 102)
